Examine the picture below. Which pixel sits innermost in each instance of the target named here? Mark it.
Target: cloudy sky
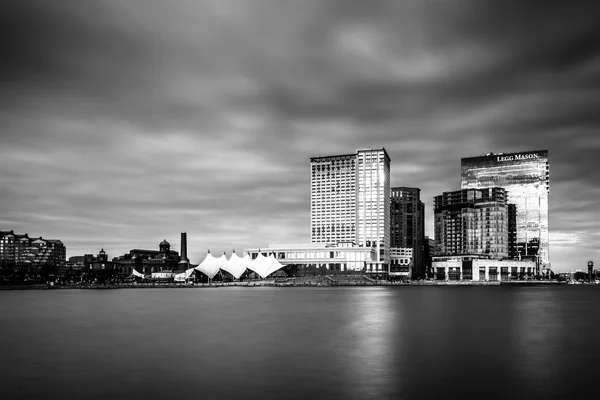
(126, 122)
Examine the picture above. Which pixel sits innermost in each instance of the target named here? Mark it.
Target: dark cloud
(125, 122)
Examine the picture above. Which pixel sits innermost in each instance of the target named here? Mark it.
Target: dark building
(184, 261)
(148, 261)
(98, 268)
(18, 249)
(81, 260)
(407, 225)
(428, 251)
(513, 252)
(472, 222)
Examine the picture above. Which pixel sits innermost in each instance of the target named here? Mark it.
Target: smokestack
(184, 247)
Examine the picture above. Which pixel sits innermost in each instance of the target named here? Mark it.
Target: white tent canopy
(135, 273)
(189, 272)
(211, 265)
(236, 265)
(182, 277)
(264, 266)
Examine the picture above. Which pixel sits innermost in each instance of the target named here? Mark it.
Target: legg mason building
(526, 178)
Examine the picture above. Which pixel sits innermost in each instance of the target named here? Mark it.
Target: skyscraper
(350, 199)
(526, 178)
(407, 230)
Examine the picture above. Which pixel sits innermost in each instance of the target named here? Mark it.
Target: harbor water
(301, 343)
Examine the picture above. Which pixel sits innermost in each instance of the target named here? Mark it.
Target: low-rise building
(332, 257)
(401, 262)
(478, 268)
(148, 261)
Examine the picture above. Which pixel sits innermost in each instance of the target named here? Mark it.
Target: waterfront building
(481, 268)
(310, 258)
(526, 178)
(401, 262)
(350, 201)
(80, 260)
(428, 250)
(20, 249)
(471, 222)
(407, 226)
(97, 268)
(148, 261)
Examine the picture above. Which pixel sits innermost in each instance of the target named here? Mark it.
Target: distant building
(407, 225)
(350, 201)
(148, 261)
(18, 249)
(184, 261)
(526, 178)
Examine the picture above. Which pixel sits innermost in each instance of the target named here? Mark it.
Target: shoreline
(315, 283)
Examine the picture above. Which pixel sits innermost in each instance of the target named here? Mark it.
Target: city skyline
(126, 123)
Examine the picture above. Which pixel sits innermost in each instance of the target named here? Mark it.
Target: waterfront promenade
(314, 281)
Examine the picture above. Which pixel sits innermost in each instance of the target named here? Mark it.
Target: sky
(126, 122)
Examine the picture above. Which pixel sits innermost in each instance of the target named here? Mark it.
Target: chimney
(184, 247)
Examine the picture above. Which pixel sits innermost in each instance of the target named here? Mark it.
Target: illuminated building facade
(526, 178)
(472, 222)
(333, 199)
(407, 226)
(350, 201)
(19, 249)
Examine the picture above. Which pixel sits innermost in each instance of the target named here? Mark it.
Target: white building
(334, 257)
(350, 201)
(465, 268)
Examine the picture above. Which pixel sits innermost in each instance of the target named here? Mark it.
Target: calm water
(298, 343)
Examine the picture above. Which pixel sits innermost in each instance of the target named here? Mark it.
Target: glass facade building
(526, 178)
(350, 200)
(373, 201)
(472, 222)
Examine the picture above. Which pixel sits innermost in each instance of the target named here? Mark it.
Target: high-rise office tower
(526, 178)
(471, 222)
(407, 230)
(350, 199)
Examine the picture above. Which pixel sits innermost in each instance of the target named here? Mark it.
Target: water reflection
(366, 346)
(298, 343)
(549, 338)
